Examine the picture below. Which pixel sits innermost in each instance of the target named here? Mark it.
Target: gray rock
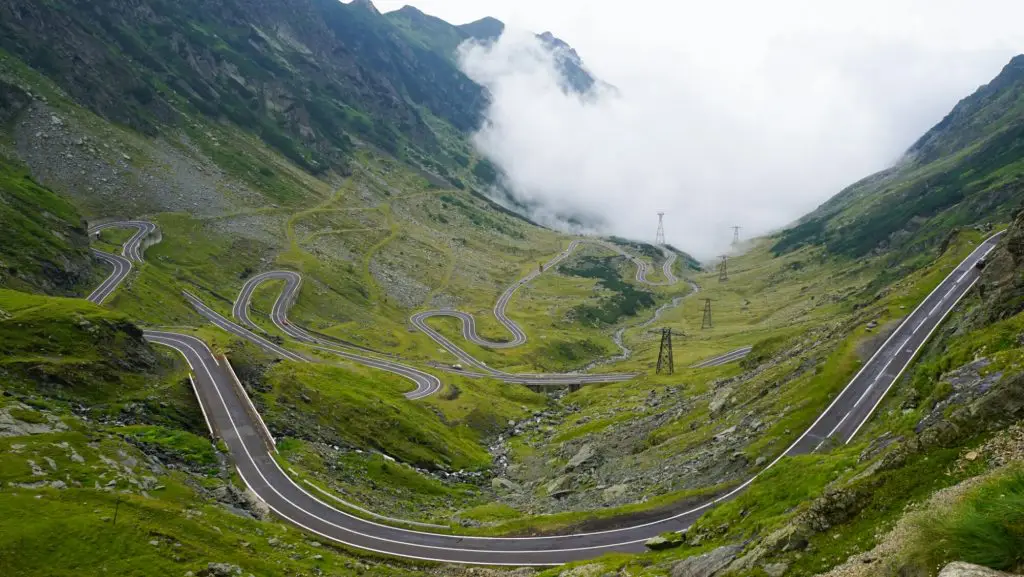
(222, 570)
(665, 541)
(707, 564)
(776, 569)
(503, 484)
(961, 569)
(614, 492)
(561, 483)
(585, 455)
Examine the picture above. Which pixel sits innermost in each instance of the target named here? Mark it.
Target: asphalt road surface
(725, 359)
(122, 265)
(232, 417)
(855, 404)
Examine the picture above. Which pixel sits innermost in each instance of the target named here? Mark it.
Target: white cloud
(742, 112)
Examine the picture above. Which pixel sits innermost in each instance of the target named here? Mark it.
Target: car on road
(457, 367)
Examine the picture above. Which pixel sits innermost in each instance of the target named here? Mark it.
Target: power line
(659, 237)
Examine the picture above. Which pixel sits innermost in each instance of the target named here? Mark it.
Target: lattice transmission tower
(665, 353)
(736, 235)
(706, 322)
(659, 238)
(723, 268)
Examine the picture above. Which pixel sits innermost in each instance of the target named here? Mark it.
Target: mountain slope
(43, 243)
(968, 169)
(306, 76)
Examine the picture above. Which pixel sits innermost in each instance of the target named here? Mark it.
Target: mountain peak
(486, 28)
(367, 5)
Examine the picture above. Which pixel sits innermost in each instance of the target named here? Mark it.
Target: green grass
(172, 529)
(987, 528)
(489, 513)
(185, 446)
(27, 415)
(626, 300)
(774, 496)
(373, 482)
(349, 408)
(68, 352)
(43, 246)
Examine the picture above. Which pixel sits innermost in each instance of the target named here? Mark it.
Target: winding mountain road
(232, 417)
(468, 321)
(131, 252)
(425, 383)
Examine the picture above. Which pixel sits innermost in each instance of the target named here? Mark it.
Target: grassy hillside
(43, 243)
(968, 170)
(330, 140)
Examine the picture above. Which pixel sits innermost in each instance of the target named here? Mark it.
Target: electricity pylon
(659, 237)
(706, 322)
(736, 235)
(723, 268)
(665, 352)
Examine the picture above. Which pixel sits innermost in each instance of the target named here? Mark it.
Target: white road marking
(840, 424)
(866, 391)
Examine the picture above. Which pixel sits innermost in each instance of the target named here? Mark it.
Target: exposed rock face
(707, 564)
(1002, 285)
(13, 100)
(961, 569)
(585, 455)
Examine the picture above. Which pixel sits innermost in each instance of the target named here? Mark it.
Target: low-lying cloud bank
(757, 145)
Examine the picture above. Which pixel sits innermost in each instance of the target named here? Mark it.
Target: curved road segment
(426, 384)
(468, 322)
(232, 417)
(130, 252)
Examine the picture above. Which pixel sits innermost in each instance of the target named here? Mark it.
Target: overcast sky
(744, 112)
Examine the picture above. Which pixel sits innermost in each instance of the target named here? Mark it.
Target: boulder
(776, 569)
(222, 570)
(707, 564)
(503, 484)
(614, 493)
(961, 569)
(585, 455)
(665, 541)
(559, 484)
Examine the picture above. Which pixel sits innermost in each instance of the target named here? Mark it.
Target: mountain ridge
(967, 170)
(444, 38)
